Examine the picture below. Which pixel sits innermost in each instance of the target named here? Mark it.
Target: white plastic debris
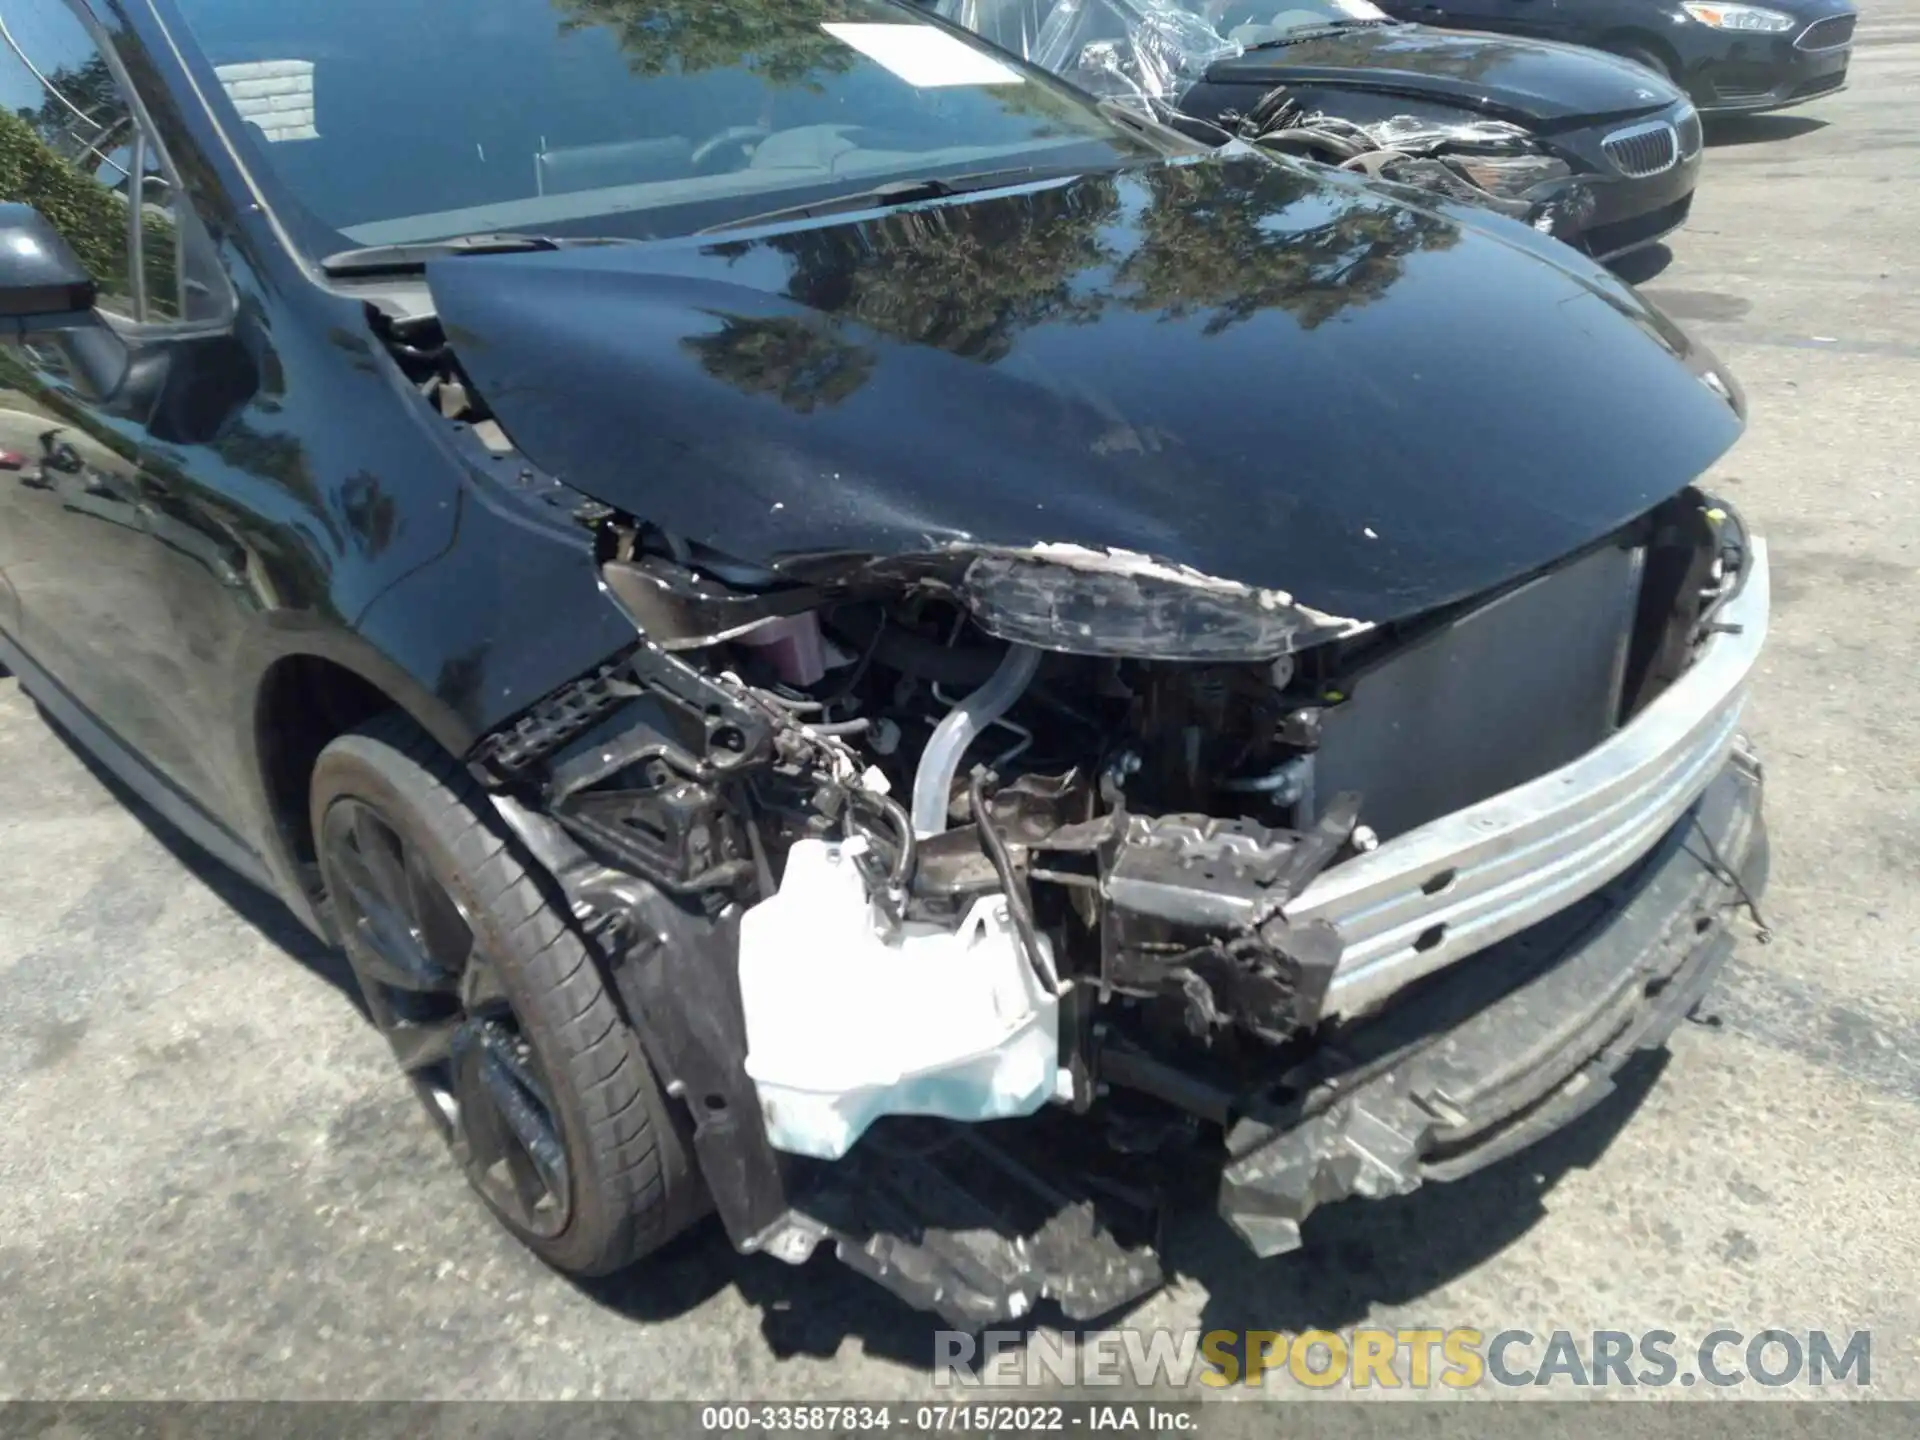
(850, 1018)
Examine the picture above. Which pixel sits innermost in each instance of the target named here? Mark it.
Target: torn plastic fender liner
(1521, 1041)
(672, 965)
(980, 1223)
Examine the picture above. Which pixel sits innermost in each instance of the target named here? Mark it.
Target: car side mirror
(46, 292)
(40, 276)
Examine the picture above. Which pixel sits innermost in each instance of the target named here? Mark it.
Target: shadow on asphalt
(252, 904)
(1642, 265)
(1758, 129)
(1392, 1252)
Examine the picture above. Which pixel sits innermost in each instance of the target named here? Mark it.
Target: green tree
(84, 111)
(778, 40)
(91, 218)
(968, 281)
(70, 166)
(1216, 241)
(803, 362)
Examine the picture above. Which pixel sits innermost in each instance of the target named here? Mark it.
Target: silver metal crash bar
(1460, 883)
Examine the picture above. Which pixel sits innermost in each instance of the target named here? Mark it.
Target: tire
(519, 1050)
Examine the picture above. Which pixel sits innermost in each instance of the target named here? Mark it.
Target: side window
(71, 147)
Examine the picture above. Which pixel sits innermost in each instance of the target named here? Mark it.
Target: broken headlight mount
(619, 785)
(1093, 603)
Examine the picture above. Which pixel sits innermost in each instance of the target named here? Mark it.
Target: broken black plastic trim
(680, 609)
(553, 721)
(676, 968)
(673, 965)
(721, 731)
(1540, 1025)
(1224, 884)
(980, 1223)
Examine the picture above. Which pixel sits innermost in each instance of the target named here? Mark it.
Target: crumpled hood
(1536, 78)
(1263, 371)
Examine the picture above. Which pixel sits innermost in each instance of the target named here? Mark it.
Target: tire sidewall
(376, 774)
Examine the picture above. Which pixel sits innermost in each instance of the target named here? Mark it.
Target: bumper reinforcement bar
(1460, 883)
(1541, 1023)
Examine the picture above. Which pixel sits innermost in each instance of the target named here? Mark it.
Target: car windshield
(403, 121)
(1147, 48)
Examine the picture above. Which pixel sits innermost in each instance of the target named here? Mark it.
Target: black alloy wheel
(436, 996)
(494, 1007)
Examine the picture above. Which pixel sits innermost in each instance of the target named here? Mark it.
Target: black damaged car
(1581, 145)
(845, 638)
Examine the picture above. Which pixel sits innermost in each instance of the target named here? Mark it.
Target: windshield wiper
(1163, 133)
(414, 254)
(1320, 32)
(902, 192)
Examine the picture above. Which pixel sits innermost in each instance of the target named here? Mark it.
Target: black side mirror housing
(46, 291)
(39, 273)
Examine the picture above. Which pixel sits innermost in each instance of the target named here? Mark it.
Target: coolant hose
(940, 761)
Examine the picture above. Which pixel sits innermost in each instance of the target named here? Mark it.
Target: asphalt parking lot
(212, 1184)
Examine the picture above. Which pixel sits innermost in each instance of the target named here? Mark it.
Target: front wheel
(494, 1008)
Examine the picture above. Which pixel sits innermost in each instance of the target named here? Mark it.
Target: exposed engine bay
(1492, 163)
(981, 834)
(1107, 771)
